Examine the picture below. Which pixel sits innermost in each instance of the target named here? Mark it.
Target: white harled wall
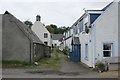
(106, 31)
(40, 29)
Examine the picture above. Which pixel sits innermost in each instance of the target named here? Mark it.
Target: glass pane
(107, 53)
(107, 47)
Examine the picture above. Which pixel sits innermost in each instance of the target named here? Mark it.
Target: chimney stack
(38, 18)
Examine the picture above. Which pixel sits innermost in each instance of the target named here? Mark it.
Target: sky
(58, 12)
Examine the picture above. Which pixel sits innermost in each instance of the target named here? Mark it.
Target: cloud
(56, 1)
(59, 13)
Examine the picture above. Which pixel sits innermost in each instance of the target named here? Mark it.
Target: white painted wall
(40, 29)
(86, 39)
(57, 42)
(119, 29)
(0, 45)
(61, 47)
(68, 43)
(106, 30)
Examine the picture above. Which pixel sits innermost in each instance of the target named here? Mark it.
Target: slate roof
(24, 28)
(75, 40)
(57, 36)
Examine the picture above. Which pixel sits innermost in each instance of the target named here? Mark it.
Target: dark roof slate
(57, 36)
(24, 28)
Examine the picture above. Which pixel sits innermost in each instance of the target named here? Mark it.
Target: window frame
(45, 35)
(111, 49)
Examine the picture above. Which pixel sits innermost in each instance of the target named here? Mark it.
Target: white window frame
(111, 50)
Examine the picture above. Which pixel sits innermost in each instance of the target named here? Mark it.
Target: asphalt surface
(68, 70)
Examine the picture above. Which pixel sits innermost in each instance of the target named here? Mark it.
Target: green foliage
(53, 62)
(28, 23)
(15, 63)
(100, 66)
(66, 52)
(55, 30)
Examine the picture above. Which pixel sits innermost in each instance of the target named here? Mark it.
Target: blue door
(75, 55)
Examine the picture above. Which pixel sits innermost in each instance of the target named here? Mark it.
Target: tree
(55, 30)
(50, 29)
(28, 23)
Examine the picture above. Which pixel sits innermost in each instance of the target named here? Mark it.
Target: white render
(105, 30)
(68, 38)
(39, 30)
(57, 42)
(1, 43)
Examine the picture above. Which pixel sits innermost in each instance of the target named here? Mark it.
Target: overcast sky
(58, 12)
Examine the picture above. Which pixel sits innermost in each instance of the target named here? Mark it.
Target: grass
(14, 63)
(0, 61)
(67, 59)
(53, 62)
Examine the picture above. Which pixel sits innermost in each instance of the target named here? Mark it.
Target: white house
(68, 38)
(42, 32)
(56, 40)
(105, 33)
(98, 34)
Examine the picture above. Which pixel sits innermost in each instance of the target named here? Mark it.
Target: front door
(75, 55)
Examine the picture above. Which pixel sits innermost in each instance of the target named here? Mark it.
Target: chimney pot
(38, 18)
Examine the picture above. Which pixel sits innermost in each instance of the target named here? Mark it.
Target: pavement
(68, 70)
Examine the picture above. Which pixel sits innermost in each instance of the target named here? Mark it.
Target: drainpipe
(31, 51)
(94, 45)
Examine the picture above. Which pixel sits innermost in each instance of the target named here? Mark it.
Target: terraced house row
(94, 36)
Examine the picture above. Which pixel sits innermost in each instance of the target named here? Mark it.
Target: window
(86, 51)
(55, 45)
(81, 26)
(86, 28)
(45, 35)
(107, 49)
(46, 43)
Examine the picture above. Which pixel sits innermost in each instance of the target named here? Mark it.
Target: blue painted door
(75, 55)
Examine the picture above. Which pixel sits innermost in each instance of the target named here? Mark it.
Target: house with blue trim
(83, 33)
(97, 31)
(67, 38)
(105, 35)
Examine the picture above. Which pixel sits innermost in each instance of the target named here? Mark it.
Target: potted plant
(100, 66)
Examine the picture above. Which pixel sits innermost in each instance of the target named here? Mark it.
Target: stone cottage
(18, 41)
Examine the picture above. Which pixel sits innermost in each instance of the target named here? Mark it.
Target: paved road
(68, 70)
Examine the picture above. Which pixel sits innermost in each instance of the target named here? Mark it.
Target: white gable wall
(0, 37)
(119, 29)
(57, 42)
(106, 31)
(39, 29)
